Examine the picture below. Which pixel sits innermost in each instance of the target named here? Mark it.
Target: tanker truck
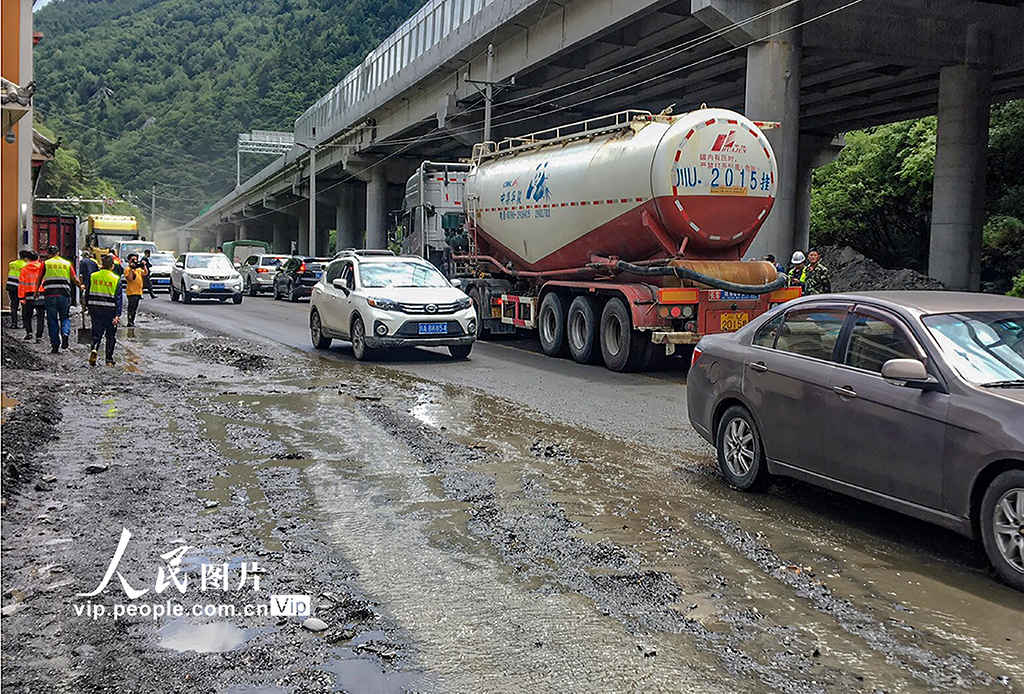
(620, 235)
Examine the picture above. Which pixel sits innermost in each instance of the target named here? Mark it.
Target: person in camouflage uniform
(816, 276)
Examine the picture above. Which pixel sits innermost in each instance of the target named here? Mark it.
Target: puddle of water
(355, 674)
(214, 637)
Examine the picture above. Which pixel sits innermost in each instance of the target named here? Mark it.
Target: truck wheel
(478, 306)
(551, 324)
(581, 330)
(623, 348)
(740, 453)
(1002, 526)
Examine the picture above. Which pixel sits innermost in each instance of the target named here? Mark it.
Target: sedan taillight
(696, 355)
(302, 268)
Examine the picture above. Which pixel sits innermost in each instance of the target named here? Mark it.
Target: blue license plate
(161, 280)
(318, 275)
(433, 328)
(216, 285)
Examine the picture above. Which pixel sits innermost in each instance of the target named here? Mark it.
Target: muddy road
(558, 539)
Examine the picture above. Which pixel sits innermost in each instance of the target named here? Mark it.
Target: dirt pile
(852, 271)
(217, 350)
(16, 355)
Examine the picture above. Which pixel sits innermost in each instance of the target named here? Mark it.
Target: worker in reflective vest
(13, 273)
(105, 306)
(58, 276)
(28, 294)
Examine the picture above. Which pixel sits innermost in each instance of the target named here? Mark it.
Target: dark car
(296, 276)
(910, 400)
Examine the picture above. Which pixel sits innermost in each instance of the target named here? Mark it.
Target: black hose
(686, 273)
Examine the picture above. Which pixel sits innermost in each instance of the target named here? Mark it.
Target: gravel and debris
(852, 271)
(218, 350)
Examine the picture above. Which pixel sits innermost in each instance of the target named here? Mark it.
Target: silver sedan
(910, 400)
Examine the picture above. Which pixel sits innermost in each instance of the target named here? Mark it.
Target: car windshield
(139, 248)
(985, 348)
(400, 274)
(161, 259)
(217, 261)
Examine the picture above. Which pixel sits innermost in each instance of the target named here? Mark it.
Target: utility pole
(152, 215)
(488, 92)
(312, 200)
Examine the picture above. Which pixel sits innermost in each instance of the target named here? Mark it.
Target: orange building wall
(10, 45)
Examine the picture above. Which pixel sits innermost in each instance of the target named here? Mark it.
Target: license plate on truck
(733, 321)
(433, 328)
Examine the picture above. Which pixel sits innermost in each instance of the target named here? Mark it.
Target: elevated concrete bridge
(821, 67)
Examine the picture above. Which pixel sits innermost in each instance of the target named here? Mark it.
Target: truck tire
(551, 325)
(581, 330)
(475, 295)
(1000, 521)
(623, 348)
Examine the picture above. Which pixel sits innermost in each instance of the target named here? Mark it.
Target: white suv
(205, 276)
(376, 300)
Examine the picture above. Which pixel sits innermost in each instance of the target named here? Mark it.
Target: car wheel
(551, 324)
(740, 453)
(581, 330)
(185, 296)
(292, 296)
(1002, 526)
(237, 299)
(252, 288)
(316, 331)
(222, 299)
(358, 334)
(622, 348)
(460, 351)
(174, 294)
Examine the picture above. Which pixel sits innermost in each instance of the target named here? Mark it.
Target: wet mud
(450, 541)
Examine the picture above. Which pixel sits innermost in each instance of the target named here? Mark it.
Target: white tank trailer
(616, 234)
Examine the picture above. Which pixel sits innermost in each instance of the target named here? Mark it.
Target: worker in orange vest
(30, 297)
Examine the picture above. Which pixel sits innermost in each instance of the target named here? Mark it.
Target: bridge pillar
(280, 242)
(376, 209)
(815, 151)
(773, 94)
(350, 216)
(303, 217)
(958, 192)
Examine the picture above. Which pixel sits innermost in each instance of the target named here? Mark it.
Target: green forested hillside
(877, 195)
(156, 91)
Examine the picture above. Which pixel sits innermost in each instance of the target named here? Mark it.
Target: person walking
(13, 273)
(86, 266)
(105, 305)
(55, 283)
(147, 283)
(31, 299)
(134, 280)
(817, 279)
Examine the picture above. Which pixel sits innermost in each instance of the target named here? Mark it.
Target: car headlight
(463, 303)
(382, 304)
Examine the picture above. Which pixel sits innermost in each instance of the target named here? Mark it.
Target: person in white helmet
(797, 269)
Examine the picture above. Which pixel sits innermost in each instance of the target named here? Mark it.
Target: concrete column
(242, 231)
(324, 224)
(347, 218)
(958, 199)
(815, 151)
(303, 217)
(376, 209)
(219, 237)
(773, 94)
(281, 242)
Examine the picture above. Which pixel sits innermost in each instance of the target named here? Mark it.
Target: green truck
(238, 251)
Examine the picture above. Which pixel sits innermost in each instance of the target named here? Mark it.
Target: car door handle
(758, 366)
(844, 391)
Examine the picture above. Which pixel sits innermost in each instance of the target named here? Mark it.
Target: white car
(160, 270)
(205, 276)
(258, 272)
(376, 300)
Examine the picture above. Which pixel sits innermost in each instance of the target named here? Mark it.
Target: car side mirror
(340, 284)
(910, 373)
(456, 282)
(179, 265)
